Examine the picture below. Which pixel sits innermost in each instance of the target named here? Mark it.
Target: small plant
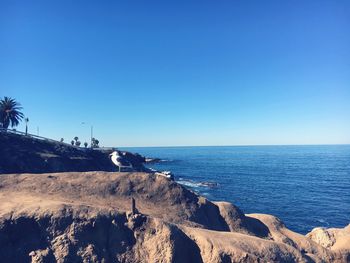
(85, 144)
(72, 142)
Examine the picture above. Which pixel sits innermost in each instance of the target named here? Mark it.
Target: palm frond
(10, 113)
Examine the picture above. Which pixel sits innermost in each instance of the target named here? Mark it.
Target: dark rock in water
(208, 184)
(153, 160)
(24, 154)
(135, 159)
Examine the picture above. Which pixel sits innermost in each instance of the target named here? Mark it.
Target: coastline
(306, 187)
(172, 223)
(59, 215)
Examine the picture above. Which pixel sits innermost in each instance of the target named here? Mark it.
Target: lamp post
(91, 135)
(91, 132)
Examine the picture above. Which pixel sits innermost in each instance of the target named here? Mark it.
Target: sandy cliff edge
(85, 216)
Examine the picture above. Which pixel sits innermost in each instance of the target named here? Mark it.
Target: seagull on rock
(120, 161)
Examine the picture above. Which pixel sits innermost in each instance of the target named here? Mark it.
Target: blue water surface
(305, 186)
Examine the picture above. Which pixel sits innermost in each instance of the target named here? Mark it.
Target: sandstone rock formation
(86, 217)
(336, 239)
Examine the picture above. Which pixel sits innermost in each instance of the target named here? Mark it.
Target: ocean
(304, 186)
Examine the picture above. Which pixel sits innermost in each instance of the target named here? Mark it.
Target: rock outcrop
(24, 154)
(86, 217)
(336, 239)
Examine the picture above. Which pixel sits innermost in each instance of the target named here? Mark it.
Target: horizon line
(236, 145)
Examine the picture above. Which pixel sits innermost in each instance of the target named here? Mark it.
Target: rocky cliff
(85, 217)
(23, 154)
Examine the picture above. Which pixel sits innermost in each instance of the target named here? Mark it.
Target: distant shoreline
(243, 145)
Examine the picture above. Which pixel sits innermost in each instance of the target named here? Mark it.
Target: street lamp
(91, 132)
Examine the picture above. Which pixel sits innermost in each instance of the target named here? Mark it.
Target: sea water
(305, 186)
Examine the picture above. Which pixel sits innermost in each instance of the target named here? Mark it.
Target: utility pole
(91, 132)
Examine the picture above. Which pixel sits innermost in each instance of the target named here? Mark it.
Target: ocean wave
(157, 160)
(193, 184)
(323, 221)
(166, 160)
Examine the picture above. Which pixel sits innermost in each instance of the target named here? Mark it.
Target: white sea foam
(323, 221)
(194, 184)
(189, 183)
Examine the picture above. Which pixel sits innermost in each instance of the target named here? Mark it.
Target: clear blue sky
(152, 73)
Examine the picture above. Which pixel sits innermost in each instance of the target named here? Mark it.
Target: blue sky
(157, 73)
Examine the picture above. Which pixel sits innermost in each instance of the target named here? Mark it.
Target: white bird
(119, 160)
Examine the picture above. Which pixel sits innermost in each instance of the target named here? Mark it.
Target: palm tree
(10, 112)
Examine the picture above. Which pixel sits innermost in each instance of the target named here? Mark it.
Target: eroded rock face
(238, 222)
(92, 236)
(322, 236)
(85, 217)
(154, 195)
(333, 238)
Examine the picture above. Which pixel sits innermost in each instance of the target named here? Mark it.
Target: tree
(94, 143)
(10, 113)
(26, 120)
(85, 144)
(61, 140)
(72, 142)
(76, 138)
(77, 143)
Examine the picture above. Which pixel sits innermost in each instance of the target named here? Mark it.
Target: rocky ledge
(87, 217)
(24, 154)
